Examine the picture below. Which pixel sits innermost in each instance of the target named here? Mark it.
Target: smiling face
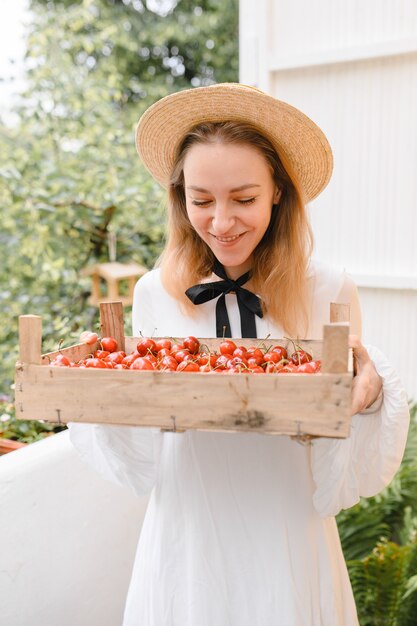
(229, 193)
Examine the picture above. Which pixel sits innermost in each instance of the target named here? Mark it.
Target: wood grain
(112, 323)
(335, 357)
(30, 338)
(299, 404)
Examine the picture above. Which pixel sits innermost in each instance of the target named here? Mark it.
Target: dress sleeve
(143, 317)
(125, 455)
(366, 461)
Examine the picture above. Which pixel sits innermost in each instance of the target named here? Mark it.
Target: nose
(223, 219)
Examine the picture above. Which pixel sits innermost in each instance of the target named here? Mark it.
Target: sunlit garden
(74, 194)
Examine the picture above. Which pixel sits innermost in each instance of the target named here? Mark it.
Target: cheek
(260, 220)
(196, 218)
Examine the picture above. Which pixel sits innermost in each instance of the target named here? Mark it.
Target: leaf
(411, 587)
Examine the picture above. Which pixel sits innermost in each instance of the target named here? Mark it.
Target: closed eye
(202, 203)
(205, 202)
(247, 201)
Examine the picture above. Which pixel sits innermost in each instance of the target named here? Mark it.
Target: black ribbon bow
(249, 304)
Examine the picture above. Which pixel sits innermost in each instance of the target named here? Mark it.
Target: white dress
(240, 527)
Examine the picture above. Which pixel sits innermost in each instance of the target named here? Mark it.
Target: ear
(277, 195)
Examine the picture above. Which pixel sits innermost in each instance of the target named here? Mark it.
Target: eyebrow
(241, 188)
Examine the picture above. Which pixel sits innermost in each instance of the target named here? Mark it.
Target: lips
(228, 239)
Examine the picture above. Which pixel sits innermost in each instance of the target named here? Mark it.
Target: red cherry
(240, 351)
(142, 363)
(109, 343)
(271, 357)
(95, 363)
(88, 337)
(192, 344)
(176, 348)
(308, 368)
(163, 344)
(116, 357)
(222, 361)
(180, 355)
(239, 362)
(206, 358)
(163, 353)
(255, 353)
(288, 368)
(101, 354)
(188, 366)
(227, 347)
(128, 360)
(145, 346)
(60, 361)
(281, 351)
(168, 363)
(301, 356)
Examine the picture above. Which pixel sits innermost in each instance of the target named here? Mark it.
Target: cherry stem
(262, 342)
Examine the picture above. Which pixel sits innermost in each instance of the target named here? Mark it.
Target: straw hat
(297, 139)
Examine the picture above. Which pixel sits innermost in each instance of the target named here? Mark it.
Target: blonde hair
(280, 259)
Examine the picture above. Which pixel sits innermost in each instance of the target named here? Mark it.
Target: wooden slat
(30, 338)
(335, 355)
(75, 352)
(297, 404)
(112, 323)
(340, 313)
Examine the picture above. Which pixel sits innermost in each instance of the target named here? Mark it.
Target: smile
(228, 239)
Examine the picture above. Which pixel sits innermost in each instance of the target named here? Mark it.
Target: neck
(237, 271)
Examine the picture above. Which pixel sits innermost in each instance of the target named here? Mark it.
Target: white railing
(68, 539)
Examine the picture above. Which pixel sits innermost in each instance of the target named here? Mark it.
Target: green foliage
(379, 540)
(156, 45)
(23, 430)
(380, 583)
(69, 173)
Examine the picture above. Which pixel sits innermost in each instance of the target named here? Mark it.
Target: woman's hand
(367, 384)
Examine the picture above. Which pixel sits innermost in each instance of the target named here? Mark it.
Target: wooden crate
(293, 404)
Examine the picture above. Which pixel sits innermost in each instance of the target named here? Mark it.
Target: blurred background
(69, 173)
(70, 181)
(75, 77)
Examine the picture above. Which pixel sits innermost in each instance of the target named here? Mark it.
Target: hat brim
(296, 138)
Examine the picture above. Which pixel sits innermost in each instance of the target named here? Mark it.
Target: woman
(240, 527)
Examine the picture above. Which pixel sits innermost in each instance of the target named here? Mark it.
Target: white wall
(352, 67)
(68, 539)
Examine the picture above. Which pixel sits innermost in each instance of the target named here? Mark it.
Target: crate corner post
(30, 339)
(30, 354)
(335, 355)
(112, 322)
